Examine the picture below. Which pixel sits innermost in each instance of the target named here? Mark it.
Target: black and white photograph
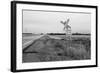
(56, 36)
(47, 36)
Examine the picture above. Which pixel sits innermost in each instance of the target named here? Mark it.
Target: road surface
(33, 38)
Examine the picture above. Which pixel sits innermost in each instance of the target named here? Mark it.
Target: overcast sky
(49, 22)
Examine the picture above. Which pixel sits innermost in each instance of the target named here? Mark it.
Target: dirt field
(48, 48)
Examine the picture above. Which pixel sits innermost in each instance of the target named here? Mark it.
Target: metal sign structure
(67, 29)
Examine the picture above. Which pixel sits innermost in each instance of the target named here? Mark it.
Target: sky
(49, 22)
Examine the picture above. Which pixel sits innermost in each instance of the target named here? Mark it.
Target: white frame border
(35, 65)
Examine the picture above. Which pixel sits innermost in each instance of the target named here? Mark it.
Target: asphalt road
(35, 38)
(25, 44)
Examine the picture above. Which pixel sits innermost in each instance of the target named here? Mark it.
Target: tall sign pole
(67, 29)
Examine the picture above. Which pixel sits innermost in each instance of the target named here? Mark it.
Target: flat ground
(42, 48)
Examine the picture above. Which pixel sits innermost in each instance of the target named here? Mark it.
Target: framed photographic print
(47, 36)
